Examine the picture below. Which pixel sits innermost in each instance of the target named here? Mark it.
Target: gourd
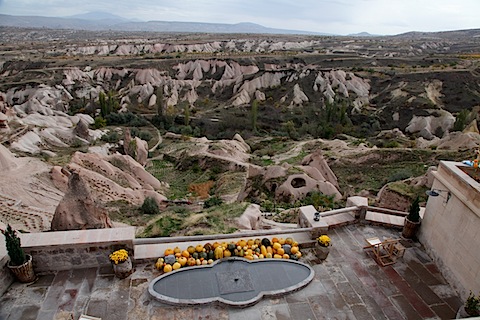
(268, 255)
(176, 266)
(294, 250)
(182, 261)
(204, 262)
(258, 242)
(177, 250)
(277, 246)
(242, 243)
(250, 242)
(210, 255)
(281, 251)
(191, 262)
(210, 261)
(266, 242)
(227, 253)
(185, 254)
(167, 268)
(287, 248)
(202, 255)
(277, 256)
(159, 263)
(191, 249)
(289, 241)
(269, 250)
(199, 248)
(170, 259)
(218, 253)
(208, 247)
(263, 250)
(231, 246)
(294, 257)
(286, 256)
(281, 241)
(169, 251)
(195, 255)
(198, 262)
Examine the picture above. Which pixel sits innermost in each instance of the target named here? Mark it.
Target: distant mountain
(452, 35)
(97, 15)
(363, 34)
(98, 21)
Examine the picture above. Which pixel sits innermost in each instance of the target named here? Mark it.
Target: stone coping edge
(219, 300)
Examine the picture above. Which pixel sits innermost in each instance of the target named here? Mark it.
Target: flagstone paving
(349, 284)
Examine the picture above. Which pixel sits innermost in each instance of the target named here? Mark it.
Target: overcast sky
(330, 16)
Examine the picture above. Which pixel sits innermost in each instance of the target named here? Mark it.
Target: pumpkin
(195, 255)
(227, 253)
(177, 250)
(203, 255)
(286, 256)
(294, 244)
(277, 245)
(218, 253)
(249, 257)
(215, 245)
(250, 242)
(281, 241)
(182, 261)
(287, 248)
(266, 242)
(242, 243)
(241, 253)
(263, 250)
(185, 254)
(210, 261)
(168, 252)
(198, 262)
(258, 242)
(277, 256)
(289, 241)
(261, 256)
(248, 252)
(167, 268)
(159, 263)
(274, 239)
(231, 246)
(299, 254)
(191, 249)
(208, 247)
(176, 266)
(281, 251)
(178, 255)
(268, 255)
(204, 262)
(191, 262)
(269, 249)
(170, 259)
(294, 250)
(210, 255)
(199, 248)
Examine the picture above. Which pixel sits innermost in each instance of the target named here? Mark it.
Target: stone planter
(321, 251)
(410, 229)
(123, 269)
(24, 273)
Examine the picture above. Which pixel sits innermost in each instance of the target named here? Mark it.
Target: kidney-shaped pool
(232, 281)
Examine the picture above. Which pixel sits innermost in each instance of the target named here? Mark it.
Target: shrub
(149, 206)
(414, 211)
(213, 201)
(14, 248)
(111, 137)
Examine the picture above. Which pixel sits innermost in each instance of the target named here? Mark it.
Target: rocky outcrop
(105, 179)
(79, 209)
(436, 124)
(251, 219)
(291, 183)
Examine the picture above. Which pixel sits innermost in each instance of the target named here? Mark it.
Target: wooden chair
(385, 252)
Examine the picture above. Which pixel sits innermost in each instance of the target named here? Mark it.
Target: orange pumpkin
(168, 252)
(167, 268)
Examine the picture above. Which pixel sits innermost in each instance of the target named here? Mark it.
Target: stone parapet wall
(6, 277)
(65, 250)
(449, 229)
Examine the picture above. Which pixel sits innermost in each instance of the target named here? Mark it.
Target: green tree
(462, 120)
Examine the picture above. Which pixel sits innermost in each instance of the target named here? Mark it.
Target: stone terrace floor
(347, 285)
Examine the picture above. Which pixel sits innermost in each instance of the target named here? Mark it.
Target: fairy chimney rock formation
(78, 210)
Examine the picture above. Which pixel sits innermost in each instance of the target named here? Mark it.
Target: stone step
(144, 252)
(338, 220)
(385, 219)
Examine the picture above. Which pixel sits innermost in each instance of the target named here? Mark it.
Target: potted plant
(20, 263)
(412, 220)
(472, 305)
(323, 246)
(122, 265)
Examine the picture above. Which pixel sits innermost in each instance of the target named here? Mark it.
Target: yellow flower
(324, 240)
(119, 256)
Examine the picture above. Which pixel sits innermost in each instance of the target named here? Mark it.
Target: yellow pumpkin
(261, 256)
(182, 261)
(167, 268)
(294, 250)
(191, 249)
(286, 256)
(215, 245)
(281, 251)
(250, 242)
(299, 254)
(176, 266)
(277, 256)
(168, 251)
(177, 250)
(274, 239)
(289, 240)
(277, 246)
(199, 248)
(185, 253)
(227, 253)
(281, 241)
(191, 261)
